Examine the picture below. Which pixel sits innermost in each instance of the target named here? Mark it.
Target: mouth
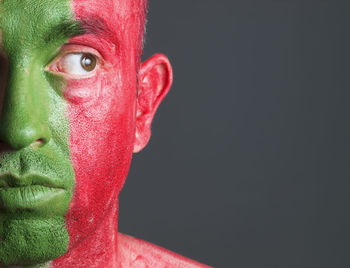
(28, 197)
(29, 192)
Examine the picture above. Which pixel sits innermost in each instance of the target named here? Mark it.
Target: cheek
(101, 145)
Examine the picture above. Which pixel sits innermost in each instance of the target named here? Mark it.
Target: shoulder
(136, 253)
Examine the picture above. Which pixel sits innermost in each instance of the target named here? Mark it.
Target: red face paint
(102, 126)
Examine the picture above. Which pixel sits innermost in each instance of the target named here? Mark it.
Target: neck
(99, 249)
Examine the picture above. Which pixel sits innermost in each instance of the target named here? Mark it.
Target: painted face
(75, 105)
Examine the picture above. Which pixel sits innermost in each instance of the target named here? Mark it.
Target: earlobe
(155, 80)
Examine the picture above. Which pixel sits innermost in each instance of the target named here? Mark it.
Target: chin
(28, 240)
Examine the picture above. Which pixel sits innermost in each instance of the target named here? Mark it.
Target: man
(75, 104)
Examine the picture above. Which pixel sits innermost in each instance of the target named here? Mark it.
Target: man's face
(69, 112)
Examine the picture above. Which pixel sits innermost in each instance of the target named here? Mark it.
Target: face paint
(102, 126)
(54, 115)
(69, 104)
(37, 177)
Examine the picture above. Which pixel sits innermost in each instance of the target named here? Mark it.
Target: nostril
(37, 144)
(4, 147)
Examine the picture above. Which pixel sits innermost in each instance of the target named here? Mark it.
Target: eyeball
(77, 63)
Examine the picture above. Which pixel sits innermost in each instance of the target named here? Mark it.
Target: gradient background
(248, 165)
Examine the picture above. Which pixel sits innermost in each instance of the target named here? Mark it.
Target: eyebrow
(63, 30)
(71, 28)
(97, 26)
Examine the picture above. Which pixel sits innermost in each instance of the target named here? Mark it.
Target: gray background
(248, 165)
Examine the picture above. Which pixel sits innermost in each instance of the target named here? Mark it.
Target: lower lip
(29, 197)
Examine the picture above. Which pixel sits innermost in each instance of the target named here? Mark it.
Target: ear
(155, 80)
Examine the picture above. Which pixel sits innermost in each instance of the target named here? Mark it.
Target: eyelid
(74, 49)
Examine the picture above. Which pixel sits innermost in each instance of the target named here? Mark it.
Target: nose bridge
(24, 114)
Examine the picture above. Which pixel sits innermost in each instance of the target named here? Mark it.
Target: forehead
(33, 22)
(122, 8)
(25, 23)
(43, 13)
(111, 9)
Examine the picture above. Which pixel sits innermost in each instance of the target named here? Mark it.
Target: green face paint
(36, 175)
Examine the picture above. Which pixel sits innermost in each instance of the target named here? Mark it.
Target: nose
(24, 115)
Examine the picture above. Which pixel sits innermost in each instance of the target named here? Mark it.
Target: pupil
(88, 62)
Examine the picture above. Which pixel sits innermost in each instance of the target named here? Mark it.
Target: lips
(31, 193)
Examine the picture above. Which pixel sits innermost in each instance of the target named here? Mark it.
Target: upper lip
(9, 180)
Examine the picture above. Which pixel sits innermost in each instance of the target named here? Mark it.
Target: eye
(76, 64)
